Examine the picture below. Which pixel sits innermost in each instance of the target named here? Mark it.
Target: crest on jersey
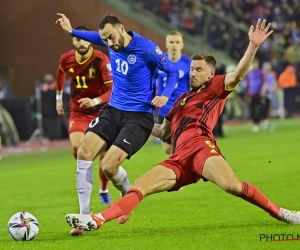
(181, 73)
(108, 66)
(92, 72)
(158, 51)
(131, 59)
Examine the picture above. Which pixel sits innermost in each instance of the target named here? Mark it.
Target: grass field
(200, 216)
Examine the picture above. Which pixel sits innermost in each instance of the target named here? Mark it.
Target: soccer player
(174, 45)
(91, 86)
(126, 122)
(196, 155)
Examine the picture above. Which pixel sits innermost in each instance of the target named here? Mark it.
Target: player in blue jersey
(174, 45)
(126, 122)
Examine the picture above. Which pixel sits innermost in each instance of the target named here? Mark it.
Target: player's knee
(109, 169)
(233, 187)
(84, 154)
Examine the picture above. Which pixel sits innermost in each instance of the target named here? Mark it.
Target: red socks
(124, 205)
(251, 194)
(103, 179)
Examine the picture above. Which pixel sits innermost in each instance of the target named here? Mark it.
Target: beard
(83, 50)
(120, 43)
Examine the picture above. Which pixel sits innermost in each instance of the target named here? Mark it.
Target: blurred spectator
(192, 17)
(269, 95)
(8, 131)
(288, 81)
(4, 91)
(233, 108)
(218, 129)
(255, 80)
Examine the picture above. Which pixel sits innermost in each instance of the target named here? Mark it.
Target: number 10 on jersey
(122, 66)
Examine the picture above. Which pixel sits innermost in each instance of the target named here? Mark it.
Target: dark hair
(81, 27)
(209, 59)
(111, 19)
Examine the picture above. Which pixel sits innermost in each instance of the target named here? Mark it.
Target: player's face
(174, 44)
(113, 36)
(200, 73)
(267, 67)
(81, 46)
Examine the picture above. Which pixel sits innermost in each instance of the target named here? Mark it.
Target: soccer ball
(23, 226)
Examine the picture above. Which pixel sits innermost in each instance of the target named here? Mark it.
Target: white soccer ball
(23, 226)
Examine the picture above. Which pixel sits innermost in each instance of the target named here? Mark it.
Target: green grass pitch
(200, 216)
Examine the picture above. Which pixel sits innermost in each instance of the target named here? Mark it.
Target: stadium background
(31, 44)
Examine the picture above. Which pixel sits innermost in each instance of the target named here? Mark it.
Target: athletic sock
(123, 206)
(104, 181)
(120, 181)
(84, 184)
(252, 194)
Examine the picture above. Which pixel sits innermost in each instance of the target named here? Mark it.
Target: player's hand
(160, 101)
(59, 108)
(260, 34)
(86, 103)
(64, 23)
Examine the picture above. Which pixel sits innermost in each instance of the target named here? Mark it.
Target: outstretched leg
(218, 171)
(156, 180)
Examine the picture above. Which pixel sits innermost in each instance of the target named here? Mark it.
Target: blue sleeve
(90, 36)
(159, 60)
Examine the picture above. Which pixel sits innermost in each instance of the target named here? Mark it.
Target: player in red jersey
(91, 86)
(196, 155)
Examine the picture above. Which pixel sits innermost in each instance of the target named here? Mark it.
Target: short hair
(81, 27)
(175, 33)
(111, 19)
(209, 59)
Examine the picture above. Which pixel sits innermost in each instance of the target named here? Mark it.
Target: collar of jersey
(89, 56)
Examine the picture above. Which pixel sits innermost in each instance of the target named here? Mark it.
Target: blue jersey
(183, 85)
(133, 71)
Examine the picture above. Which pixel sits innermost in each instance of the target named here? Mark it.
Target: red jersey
(89, 78)
(197, 111)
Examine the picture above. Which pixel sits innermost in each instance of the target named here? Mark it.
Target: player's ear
(212, 74)
(121, 28)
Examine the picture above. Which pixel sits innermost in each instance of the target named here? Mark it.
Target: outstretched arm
(90, 36)
(256, 37)
(162, 131)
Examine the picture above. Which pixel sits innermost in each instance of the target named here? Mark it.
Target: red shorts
(78, 122)
(188, 160)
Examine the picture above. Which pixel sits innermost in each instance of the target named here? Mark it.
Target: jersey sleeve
(155, 57)
(171, 112)
(219, 86)
(105, 69)
(90, 36)
(60, 74)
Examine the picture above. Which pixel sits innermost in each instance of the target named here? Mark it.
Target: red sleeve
(219, 86)
(105, 69)
(60, 79)
(171, 112)
(106, 96)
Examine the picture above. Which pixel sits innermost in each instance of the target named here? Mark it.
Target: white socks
(84, 184)
(120, 181)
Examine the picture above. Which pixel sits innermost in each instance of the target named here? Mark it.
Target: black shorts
(160, 120)
(127, 130)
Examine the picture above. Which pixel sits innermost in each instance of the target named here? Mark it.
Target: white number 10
(122, 67)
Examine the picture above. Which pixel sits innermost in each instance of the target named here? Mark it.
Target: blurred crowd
(284, 15)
